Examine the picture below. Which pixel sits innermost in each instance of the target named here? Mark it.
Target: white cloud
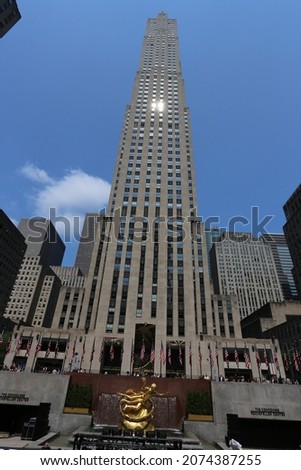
(35, 174)
(71, 196)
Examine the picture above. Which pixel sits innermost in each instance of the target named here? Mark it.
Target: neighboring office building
(9, 15)
(283, 262)
(292, 231)
(12, 249)
(36, 289)
(245, 266)
(42, 240)
(87, 242)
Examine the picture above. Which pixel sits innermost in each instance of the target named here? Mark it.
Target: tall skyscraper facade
(153, 276)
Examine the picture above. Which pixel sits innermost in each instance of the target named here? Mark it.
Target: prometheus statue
(137, 408)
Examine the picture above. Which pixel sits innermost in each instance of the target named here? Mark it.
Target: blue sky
(67, 71)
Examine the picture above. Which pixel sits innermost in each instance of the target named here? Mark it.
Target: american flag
(190, 353)
(28, 347)
(180, 356)
(236, 357)
(216, 351)
(257, 357)
(286, 363)
(48, 349)
(275, 355)
(162, 354)
(152, 354)
(200, 355)
(39, 345)
(247, 359)
(93, 351)
(169, 355)
(8, 347)
(211, 358)
(19, 345)
(111, 352)
(142, 352)
(295, 360)
(57, 349)
(226, 353)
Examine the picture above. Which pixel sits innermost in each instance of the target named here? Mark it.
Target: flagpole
(217, 361)
(200, 360)
(210, 360)
(258, 362)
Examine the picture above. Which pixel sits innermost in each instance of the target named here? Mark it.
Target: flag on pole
(295, 361)
(93, 351)
(211, 358)
(169, 354)
(101, 352)
(142, 352)
(48, 349)
(216, 352)
(226, 354)
(285, 361)
(236, 357)
(190, 353)
(8, 347)
(180, 356)
(56, 349)
(162, 354)
(152, 354)
(28, 346)
(258, 360)
(39, 345)
(112, 352)
(275, 356)
(246, 357)
(200, 354)
(19, 345)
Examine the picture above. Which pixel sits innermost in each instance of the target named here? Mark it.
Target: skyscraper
(245, 266)
(153, 275)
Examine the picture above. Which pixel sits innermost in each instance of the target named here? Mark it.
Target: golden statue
(137, 408)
